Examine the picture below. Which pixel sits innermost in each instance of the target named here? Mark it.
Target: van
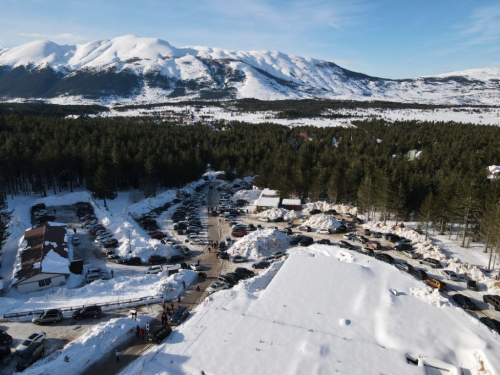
(492, 300)
(31, 355)
(438, 284)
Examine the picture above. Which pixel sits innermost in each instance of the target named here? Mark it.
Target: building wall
(32, 284)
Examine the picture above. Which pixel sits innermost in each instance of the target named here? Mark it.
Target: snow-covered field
(323, 310)
(480, 116)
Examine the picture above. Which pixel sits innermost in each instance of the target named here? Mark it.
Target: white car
(195, 267)
(410, 254)
(215, 287)
(450, 275)
(348, 236)
(153, 270)
(323, 231)
(265, 218)
(35, 337)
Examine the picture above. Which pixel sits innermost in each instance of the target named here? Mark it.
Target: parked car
(366, 251)
(419, 274)
(403, 246)
(215, 287)
(157, 259)
(49, 316)
(375, 245)
(238, 259)
(195, 266)
(238, 233)
(158, 334)
(324, 241)
(88, 312)
(323, 231)
(153, 270)
(472, 285)
(132, 261)
(360, 239)
(112, 242)
(434, 263)
(261, 264)
(31, 355)
(392, 237)
(357, 220)
(491, 324)
(35, 337)
(438, 284)
(158, 235)
(346, 245)
(175, 258)
(384, 258)
(5, 338)
(315, 211)
(306, 241)
(376, 234)
(492, 300)
(349, 236)
(404, 267)
(4, 352)
(464, 302)
(229, 280)
(244, 271)
(265, 218)
(287, 231)
(450, 275)
(305, 228)
(180, 315)
(410, 254)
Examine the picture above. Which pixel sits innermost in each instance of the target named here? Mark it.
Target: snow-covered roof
(267, 202)
(268, 193)
(46, 251)
(494, 171)
(291, 202)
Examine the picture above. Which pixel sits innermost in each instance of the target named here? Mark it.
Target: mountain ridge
(131, 69)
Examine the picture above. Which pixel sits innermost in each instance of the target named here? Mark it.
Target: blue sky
(384, 38)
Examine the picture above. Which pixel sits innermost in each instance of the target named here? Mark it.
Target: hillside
(134, 69)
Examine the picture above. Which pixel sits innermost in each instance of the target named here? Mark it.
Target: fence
(116, 304)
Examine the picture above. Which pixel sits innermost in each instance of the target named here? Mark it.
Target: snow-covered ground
(480, 116)
(323, 310)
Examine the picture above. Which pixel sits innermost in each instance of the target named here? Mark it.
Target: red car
(238, 233)
(375, 245)
(100, 227)
(88, 217)
(158, 235)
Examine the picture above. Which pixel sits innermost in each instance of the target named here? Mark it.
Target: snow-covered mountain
(131, 68)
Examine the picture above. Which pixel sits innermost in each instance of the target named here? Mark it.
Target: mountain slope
(131, 68)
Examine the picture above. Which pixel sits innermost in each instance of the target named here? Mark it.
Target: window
(44, 282)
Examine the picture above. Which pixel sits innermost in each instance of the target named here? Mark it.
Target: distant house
(292, 204)
(304, 134)
(44, 260)
(494, 172)
(268, 199)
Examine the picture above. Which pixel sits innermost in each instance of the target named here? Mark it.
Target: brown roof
(40, 240)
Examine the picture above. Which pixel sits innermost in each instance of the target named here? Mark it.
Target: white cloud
(485, 26)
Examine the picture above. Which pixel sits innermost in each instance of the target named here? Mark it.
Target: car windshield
(26, 342)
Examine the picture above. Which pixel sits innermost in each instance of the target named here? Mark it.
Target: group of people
(139, 331)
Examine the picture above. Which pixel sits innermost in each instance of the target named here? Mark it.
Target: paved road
(134, 347)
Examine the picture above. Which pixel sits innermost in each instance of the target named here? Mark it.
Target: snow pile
(275, 213)
(103, 338)
(248, 195)
(325, 206)
(321, 221)
(316, 315)
(260, 243)
(261, 280)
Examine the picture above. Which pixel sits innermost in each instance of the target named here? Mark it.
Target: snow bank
(260, 243)
(276, 212)
(322, 221)
(325, 206)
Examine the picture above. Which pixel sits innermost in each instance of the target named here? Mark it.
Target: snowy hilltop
(131, 69)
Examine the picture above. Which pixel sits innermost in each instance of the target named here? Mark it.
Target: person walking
(199, 261)
(142, 333)
(198, 288)
(162, 319)
(137, 331)
(179, 299)
(117, 354)
(164, 304)
(183, 285)
(112, 274)
(74, 230)
(172, 307)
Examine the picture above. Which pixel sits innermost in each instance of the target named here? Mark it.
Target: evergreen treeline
(446, 183)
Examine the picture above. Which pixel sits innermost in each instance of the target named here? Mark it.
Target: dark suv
(244, 271)
(158, 334)
(49, 316)
(5, 338)
(180, 315)
(87, 312)
(31, 355)
(157, 259)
